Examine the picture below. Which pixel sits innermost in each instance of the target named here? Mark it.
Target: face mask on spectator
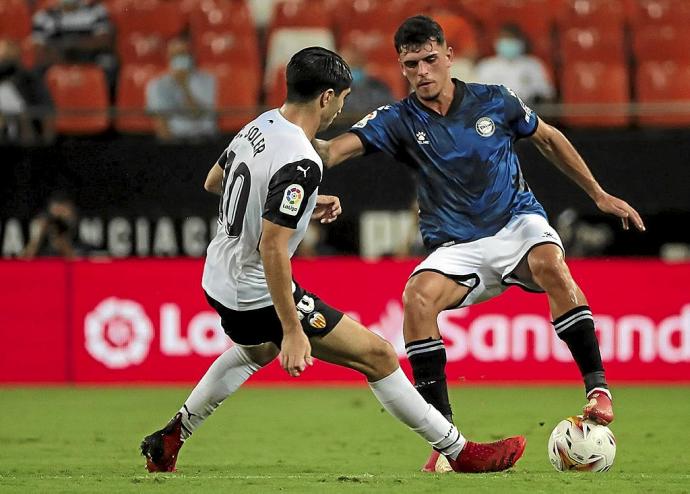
(181, 62)
(509, 48)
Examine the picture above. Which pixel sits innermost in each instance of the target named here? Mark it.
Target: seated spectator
(183, 100)
(55, 231)
(25, 103)
(368, 93)
(75, 31)
(513, 67)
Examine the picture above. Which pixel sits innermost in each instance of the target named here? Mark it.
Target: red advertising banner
(147, 321)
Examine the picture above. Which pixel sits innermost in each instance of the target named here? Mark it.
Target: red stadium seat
(592, 83)
(592, 44)
(662, 42)
(238, 94)
(131, 98)
(664, 82)
(651, 12)
(300, 13)
(228, 47)
(141, 48)
(276, 89)
(15, 19)
(81, 98)
(370, 15)
(460, 34)
(147, 16)
(221, 16)
(590, 13)
(377, 45)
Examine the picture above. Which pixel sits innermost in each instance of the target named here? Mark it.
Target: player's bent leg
(574, 324)
(427, 294)
(352, 345)
(229, 371)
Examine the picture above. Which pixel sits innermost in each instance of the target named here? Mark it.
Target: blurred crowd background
(111, 113)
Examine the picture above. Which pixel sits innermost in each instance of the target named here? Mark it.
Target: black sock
(428, 360)
(576, 328)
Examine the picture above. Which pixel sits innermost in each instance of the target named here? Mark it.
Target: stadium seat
(460, 34)
(667, 83)
(141, 48)
(592, 44)
(373, 14)
(593, 83)
(276, 91)
(81, 98)
(662, 42)
(238, 94)
(221, 16)
(15, 19)
(590, 13)
(375, 44)
(147, 16)
(300, 13)
(285, 42)
(28, 52)
(651, 12)
(227, 47)
(131, 98)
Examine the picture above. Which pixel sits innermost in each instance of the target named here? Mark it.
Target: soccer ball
(582, 445)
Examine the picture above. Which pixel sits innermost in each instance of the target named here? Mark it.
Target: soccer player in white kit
(268, 180)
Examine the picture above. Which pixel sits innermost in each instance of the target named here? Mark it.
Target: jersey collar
(458, 95)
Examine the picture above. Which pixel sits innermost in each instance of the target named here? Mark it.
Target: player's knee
(418, 300)
(382, 359)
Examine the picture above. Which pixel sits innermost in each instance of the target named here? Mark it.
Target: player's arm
(214, 180)
(559, 151)
(295, 352)
(338, 149)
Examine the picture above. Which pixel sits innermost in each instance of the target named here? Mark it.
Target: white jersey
(272, 172)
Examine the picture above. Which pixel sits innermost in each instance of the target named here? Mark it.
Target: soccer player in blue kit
(478, 217)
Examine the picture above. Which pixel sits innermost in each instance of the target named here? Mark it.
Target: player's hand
(599, 407)
(295, 353)
(327, 209)
(618, 207)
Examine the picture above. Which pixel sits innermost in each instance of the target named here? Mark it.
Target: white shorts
(486, 265)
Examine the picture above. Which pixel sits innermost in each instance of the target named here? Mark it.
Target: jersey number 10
(234, 198)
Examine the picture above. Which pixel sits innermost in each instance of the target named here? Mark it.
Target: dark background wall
(139, 177)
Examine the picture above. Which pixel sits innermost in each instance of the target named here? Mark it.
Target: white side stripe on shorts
(563, 325)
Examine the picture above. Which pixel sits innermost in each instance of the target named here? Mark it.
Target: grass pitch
(323, 440)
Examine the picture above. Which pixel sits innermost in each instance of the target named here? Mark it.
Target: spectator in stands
(368, 92)
(75, 31)
(55, 231)
(25, 103)
(513, 67)
(183, 100)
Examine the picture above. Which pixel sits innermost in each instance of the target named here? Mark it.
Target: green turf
(323, 440)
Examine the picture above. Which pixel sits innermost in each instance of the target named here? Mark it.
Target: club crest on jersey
(485, 127)
(421, 137)
(317, 320)
(292, 199)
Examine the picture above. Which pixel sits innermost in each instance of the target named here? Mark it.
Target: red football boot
(161, 447)
(437, 463)
(599, 408)
(489, 457)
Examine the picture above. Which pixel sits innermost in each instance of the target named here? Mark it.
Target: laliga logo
(118, 333)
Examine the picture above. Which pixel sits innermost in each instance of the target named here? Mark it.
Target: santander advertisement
(146, 321)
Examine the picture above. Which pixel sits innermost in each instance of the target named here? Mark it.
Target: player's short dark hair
(312, 71)
(416, 31)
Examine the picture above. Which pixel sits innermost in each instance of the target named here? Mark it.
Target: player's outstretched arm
(559, 151)
(295, 353)
(338, 149)
(214, 180)
(327, 209)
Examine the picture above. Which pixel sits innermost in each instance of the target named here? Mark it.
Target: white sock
(400, 399)
(224, 377)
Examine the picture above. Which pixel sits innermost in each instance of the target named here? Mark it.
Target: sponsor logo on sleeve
(292, 199)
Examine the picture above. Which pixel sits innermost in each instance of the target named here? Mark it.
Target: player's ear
(450, 54)
(326, 97)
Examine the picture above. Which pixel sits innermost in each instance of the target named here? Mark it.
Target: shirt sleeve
(521, 119)
(380, 130)
(289, 191)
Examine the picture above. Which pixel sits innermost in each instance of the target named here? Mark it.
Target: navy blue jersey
(470, 182)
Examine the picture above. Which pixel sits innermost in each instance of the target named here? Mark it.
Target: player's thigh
(543, 260)
(352, 345)
(429, 292)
